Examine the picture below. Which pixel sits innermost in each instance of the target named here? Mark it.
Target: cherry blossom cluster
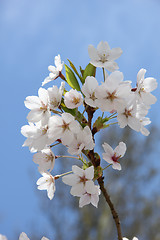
(64, 115)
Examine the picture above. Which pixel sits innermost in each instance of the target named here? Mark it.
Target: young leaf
(75, 70)
(71, 79)
(90, 70)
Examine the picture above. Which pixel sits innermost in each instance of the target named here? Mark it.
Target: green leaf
(75, 70)
(90, 70)
(71, 79)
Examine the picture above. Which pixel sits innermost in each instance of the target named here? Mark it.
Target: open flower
(54, 71)
(112, 156)
(45, 159)
(103, 56)
(80, 180)
(37, 136)
(112, 94)
(144, 87)
(73, 99)
(82, 140)
(47, 182)
(63, 127)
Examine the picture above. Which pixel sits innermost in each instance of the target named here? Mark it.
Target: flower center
(83, 179)
(115, 158)
(75, 100)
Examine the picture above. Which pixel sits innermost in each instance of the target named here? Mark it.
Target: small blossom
(144, 87)
(37, 136)
(80, 180)
(131, 115)
(45, 159)
(55, 96)
(47, 182)
(112, 156)
(63, 127)
(88, 89)
(39, 107)
(82, 140)
(73, 99)
(103, 56)
(112, 94)
(54, 71)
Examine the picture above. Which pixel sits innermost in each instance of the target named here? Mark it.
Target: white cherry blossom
(73, 99)
(144, 87)
(45, 159)
(112, 156)
(55, 96)
(88, 198)
(37, 136)
(82, 140)
(131, 115)
(103, 56)
(39, 107)
(63, 127)
(47, 182)
(88, 89)
(81, 181)
(55, 71)
(112, 94)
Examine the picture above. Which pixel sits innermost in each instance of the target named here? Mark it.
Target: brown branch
(96, 162)
(111, 206)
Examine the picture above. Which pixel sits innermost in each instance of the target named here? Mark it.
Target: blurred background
(32, 33)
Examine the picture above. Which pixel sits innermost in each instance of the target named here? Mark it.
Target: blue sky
(32, 33)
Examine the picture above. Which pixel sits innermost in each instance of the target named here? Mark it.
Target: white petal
(95, 200)
(120, 149)
(77, 170)
(70, 179)
(32, 102)
(85, 199)
(115, 53)
(43, 95)
(140, 75)
(89, 173)
(77, 190)
(90, 187)
(46, 80)
(23, 236)
(108, 149)
(92, 52)
(51, 190)
(116, 166)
